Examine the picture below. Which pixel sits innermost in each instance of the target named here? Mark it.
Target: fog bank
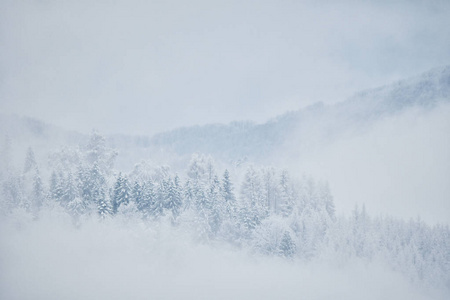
(398, 166)
(124, 259)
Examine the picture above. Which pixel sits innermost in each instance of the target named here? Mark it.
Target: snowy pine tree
(228, 195)
(104, 208)
(121, 193)
(30, 161)
(56, 187)
(38, 192)
(174, 201)
(148, 199)
(70, 191)
(287, 246)
(287, 201)
(137, 194)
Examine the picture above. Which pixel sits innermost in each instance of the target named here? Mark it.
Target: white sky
(146, 66)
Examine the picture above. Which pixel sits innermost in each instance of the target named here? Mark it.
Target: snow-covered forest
(266, 212)
(171, 208)
(224, 150)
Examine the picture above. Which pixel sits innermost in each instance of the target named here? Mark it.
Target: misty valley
(224, 150)
(266, 213)
(216, 208)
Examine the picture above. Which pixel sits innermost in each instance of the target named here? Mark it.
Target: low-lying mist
(398, 166)
(120, 258)
(228, 221)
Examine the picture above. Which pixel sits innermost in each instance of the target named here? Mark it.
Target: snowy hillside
(230, 200)
(239, 141)
(243, 139)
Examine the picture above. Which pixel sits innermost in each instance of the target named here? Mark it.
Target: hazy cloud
(399, 167)
(51, 259)
(164, 64)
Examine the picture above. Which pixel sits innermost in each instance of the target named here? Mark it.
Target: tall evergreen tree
(57, 187)
(137, 194)
(96, 152)
(104, 207)
(227, 193)
(286, 195)
(287, 246)
(253, 209)
(12, 192)
(148, 199)
(121, 194)
(85, 186)
(70, 191)
(38, 192)
(189, 194)
(271, 190)
(157, 209)
(30, 161)
(217, 208)
(174, 200)
(326, 198)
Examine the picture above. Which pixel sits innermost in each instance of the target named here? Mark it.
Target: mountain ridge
(425, 90)
(246, 139)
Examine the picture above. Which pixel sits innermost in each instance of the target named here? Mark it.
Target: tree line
(268, 212)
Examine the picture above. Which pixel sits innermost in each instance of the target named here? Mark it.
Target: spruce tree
(175, 197)
(104, 207)
(148, 199)
(253, 209)
(217, 207)
(286, 195)
(30, 161)
(287, 246)
(137, 194)
(57, 187)
(38, 192)
(70, 191)
(158, 206)
(228, 194)
(121, 194)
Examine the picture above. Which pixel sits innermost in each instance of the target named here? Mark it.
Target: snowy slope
(237, 141)
(244, 139)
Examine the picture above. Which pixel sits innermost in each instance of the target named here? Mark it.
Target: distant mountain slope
(425, 90)
(24, 128)
(19, 133)
(244, 139)
(238, 141)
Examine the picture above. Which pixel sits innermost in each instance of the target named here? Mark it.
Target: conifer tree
(98, 182)
(326, 198)
(121, 195)
(148, 199)
(12, 189)
(189, 196)
(82, 182)
(38, 192)
(253, 209)
(96, 152)
(228, 195)
(271, 190)
(70, 191)
(57, 187)
(104, 207)
(137, 194)
(286, 195)
(174, 197)
(30, 161)
(287, 246)
(217, 207)
(158, 206)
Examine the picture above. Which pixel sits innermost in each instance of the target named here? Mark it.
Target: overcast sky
(146, 66)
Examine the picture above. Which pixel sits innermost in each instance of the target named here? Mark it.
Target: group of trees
(268, 212)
